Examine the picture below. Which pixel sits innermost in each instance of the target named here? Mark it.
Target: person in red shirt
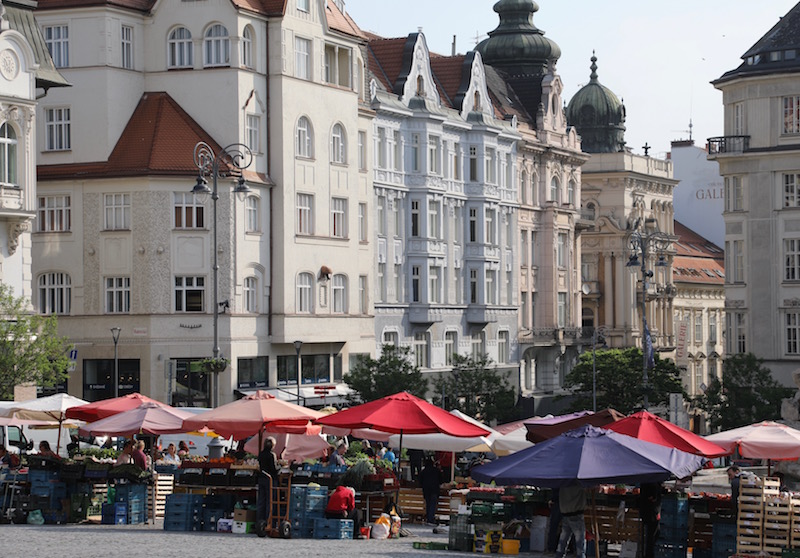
(342, 505)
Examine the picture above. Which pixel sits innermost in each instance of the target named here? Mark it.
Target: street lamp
(229, 162)
(297, 346)
(597, 334)
(645, 241)
(115, 331)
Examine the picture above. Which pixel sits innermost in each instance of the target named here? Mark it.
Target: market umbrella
(148, 418)
(51, 408)
(651, 428)
(511, 442)
(292, 447)
(97, 410)
(541, 429)
(589, 456)
(252, 415)
(762, 440)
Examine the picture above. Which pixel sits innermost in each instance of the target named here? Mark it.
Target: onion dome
(598, 116)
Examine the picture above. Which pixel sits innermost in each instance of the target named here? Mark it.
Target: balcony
(479, 314)
(728, 144)
(424, 313)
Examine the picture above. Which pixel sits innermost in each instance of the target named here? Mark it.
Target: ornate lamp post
(115, 331)
(646, 241)
(229, 162)
(297, 346)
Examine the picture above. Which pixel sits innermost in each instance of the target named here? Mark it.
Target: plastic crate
(210, 518)
(670, 550)
(178, 525)
(243, 477)
(333, 528)
(216, 477)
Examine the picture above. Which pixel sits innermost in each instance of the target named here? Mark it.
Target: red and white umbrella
(763, 440)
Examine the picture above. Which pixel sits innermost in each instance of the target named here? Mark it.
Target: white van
(14, 439)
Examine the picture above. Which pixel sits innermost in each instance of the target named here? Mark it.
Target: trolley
(278, 524)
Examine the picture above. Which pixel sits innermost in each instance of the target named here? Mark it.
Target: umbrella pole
(452, 466)
(399, 459)
(595, 527)
(58, 441)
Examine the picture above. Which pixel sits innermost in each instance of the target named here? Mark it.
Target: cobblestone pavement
(151, 541)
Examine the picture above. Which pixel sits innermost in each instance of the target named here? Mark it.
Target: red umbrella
(148, 418)
(252, 414)
(402, 413)
(107, 407)
(650, 428)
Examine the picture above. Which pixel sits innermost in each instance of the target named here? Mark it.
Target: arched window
(216, 46)
(338, 144)
(571, 192)
(305, 138)
(251, 294)
(247, 47)
(591, 211)
(555, 186)
(305, 293)
(251, 214)
(420, 86)
(179, 48)
(8, 155)
(339, 291)
(55, 293)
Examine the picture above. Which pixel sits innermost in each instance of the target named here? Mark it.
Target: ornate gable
(476, 97)
(416, 78)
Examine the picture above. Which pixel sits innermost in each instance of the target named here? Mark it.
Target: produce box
(243, 515)
(243, 527)
(225, 525)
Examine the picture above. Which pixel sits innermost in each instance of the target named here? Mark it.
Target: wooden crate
(164, 484)
(610, 528)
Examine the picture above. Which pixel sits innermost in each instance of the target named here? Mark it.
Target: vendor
(125, 456)
(337, 456)
(171, 457)
(342, 505)
(45, 451)
(268, 463)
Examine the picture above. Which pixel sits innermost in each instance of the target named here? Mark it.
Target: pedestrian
(430, 479)
(268, 463)
(572, 503)
(734, 476)
(554, 525)
(416, 457)
(650, 514)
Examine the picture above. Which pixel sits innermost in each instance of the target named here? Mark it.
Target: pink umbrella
(251, 415)
(763, 440)
(148, 418)
(292, 447)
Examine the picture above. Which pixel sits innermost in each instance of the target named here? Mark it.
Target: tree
(31, 351)
(747, 393)
(619, 381)
(476, 389)
(394, 371)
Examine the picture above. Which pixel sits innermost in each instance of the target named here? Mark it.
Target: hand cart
(277, 524)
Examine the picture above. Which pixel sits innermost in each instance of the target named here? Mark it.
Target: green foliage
(31, 351)
(619, 381)
(747, 393)
(476, 389)
(393, 372)
(99, 453)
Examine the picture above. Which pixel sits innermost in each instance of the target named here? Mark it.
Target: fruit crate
(333, 528)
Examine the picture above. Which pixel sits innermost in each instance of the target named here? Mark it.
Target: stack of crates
(183, 512)
(216, 507)
(794, 500)
(307, 504)
(333, 528)
(47, 494)
(750, 520)
(460, 533)
(723, 542)
(777, 518)
(134, 496)
(674, 526)
(115, 514)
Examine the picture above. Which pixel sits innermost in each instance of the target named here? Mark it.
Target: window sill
(115, 230)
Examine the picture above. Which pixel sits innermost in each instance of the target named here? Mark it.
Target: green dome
(598, 116)
(517, 45)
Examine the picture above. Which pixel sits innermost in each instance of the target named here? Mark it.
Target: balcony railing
(728, 144)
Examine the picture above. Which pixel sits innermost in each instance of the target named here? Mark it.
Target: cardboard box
(225, 525)
(243, 527)
(245, 516)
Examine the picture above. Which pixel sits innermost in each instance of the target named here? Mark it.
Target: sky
(659, 57)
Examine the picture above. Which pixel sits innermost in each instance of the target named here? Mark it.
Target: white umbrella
(51, 408)
(514, 441)
(763, 440)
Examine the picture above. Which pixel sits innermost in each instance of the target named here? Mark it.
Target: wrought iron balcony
(728, 144)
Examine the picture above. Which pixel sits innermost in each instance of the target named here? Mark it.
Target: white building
(698, 198)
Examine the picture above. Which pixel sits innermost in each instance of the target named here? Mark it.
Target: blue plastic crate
(670, 550)
(185, 499)
(177, 525)
(333, 528)
(210, 518)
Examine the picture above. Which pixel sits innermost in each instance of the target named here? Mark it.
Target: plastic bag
(35, 517)
(381, 527)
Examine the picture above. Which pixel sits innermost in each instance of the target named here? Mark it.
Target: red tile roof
(697, 259)
(447, 71)
(386, 58)
(342, 22)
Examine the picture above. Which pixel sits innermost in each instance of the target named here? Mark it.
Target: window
(302, 58)
(337, 65)
(397, 218)
(502, 347)
(491, 165)
(571, 192)
(253, 129)
(363, 300)
(473, 286)
(491, 286)
(126, 39)
(305, 301)
(118, 295)
(381, 153)
(435, 289)
(8, 155)
(362, 150)
(738, 261)
(247, 47)
(712, 328)
(434, 219)
(473, 163)
(57, 129)
(117, 212)
(189, 211)
(338, 145)
(791, 114)
(458, 224)
(305, 138)
(381, 294)
(339, 291)
(415, 155)
(217, 46)
(555, 186)
(736, 335)
(450, 346)
(398, 282)
(734, 193)
(56, 37)
(250, 294)
(791, 258)
(434, 155)
(414, 218)
(381, 215)
(55, 293)
(478, 345)
(179, 48)
(397, 156)
(305, 214)
(561, 252)
(524, 310)
(189, 294)
(738, 119)
(791, 190)
(303, 5)
(54, 214)
(562, 309)
(698, 327)
(523, 245)
(421, 349)
(391, 338)
(415, 287)
(251, 214)
(339, 218)
(456, 161)
(287, 370)
(792, 333)
(253, 372)
(473, 224)
(362, 222)
(491, 227)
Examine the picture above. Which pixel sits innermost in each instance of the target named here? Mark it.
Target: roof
(697, 259)
(159, 139)
(341, 21)
(386, 58)
(20, 18)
